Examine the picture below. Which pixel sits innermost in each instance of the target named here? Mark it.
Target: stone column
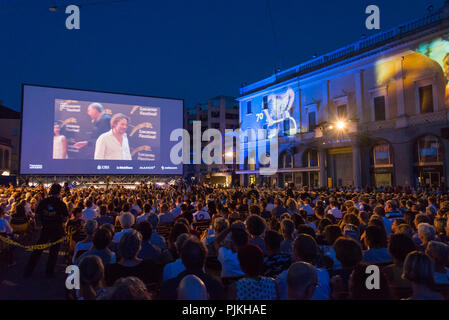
(403, 164)
(323, 172)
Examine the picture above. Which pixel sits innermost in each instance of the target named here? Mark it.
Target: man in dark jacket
(102, 124)
(51, 213)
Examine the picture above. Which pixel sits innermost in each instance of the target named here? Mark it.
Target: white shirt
(58, 147)
(336, 213)
(89, 214)
(109, 148)
(119, 235)
(230, 265)
(308, 209)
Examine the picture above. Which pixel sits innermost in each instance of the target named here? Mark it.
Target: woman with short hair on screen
(59, 142)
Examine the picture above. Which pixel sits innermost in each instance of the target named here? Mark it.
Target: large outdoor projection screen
(68, 131)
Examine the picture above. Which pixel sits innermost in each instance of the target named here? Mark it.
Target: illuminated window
(428, 150)
(379, 108)
(248, 107)
(310, 159)
(426, 99)
(382, 154)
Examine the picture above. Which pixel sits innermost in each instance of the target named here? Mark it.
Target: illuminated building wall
(391, 92)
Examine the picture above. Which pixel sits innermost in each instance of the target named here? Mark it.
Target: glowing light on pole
(340, 125)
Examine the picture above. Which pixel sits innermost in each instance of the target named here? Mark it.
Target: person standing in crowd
(51, 214)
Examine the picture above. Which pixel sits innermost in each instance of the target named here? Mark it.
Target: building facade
(9, 140)
(372, 113)
(219, 113)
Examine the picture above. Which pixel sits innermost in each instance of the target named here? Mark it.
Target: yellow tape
(41, 246)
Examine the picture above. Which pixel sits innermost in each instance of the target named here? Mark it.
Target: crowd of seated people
(194, 241)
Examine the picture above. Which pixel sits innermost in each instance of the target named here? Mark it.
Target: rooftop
(7, 113)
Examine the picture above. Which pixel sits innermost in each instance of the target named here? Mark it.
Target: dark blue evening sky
(194, 49)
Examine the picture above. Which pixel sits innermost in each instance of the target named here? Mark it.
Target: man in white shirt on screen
(113, 145)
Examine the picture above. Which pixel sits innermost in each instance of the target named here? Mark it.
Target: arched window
(310, 159)
(382, 154)
(428, 151)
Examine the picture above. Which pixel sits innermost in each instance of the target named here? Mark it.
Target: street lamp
(340, 125)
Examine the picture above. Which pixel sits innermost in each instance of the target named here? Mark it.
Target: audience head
(419, 269)
(91, 276)
(192, 288)
(348, 252)
(302, 280)
(193, 254)
(130, 244)
(255, 225)
(400, 245)
(305, 248)
(130, 288)
(426, 232)
(273, 241)
(332, 233)
(126, 220)
(438, 252)
(102, 238)
(90, 227)
(251, 260)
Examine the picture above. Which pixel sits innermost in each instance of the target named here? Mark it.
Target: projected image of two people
(93, 130)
